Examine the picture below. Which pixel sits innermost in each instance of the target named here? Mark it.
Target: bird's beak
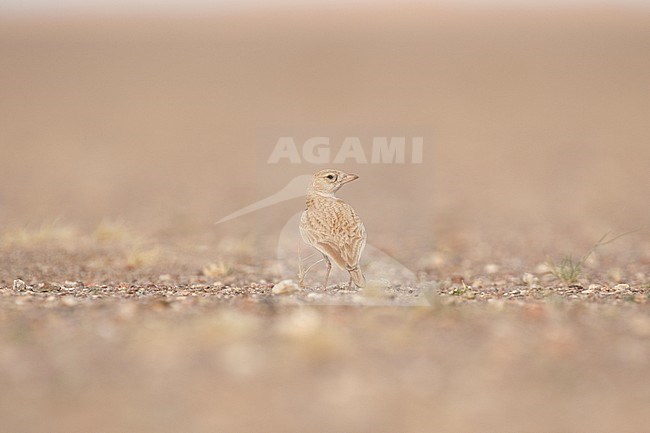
(349, 178)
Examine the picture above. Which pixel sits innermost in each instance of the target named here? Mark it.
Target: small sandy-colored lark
(332, 227)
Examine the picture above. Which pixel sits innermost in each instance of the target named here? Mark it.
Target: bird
(332, 227)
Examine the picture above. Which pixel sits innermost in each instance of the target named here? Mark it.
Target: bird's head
(329, 181)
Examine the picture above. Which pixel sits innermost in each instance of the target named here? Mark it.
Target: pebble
(285, 287)
(529, 279)
(19, 284)
(46, 287)
(312, 296)
(621, 287)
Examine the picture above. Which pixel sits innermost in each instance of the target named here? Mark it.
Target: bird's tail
(357, 276)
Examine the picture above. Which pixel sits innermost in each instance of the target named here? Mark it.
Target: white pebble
(284, 287)
(314, 296)
(529, 279)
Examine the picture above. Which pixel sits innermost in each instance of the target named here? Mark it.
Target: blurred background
(127, 129)
(536, 116)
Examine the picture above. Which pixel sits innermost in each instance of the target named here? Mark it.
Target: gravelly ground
(190, 351)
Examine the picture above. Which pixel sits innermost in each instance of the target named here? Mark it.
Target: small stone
(46, 287)
(285, 287)
(587, 291)
(19, 285)
(529, 279)
(491, 268)
(622, 287)
(594, 287)
(312, 296)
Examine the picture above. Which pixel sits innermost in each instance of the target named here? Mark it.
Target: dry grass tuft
(53, 231)
(111, 231)
(138, 257)
(217, 270)
(238, 246)
(567, 269)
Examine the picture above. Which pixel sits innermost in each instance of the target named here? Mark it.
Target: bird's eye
(330, 176)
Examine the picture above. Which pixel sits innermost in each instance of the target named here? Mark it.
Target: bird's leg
(329, 268)
(301, 275)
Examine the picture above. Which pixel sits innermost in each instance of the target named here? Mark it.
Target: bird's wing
(354, 238)
(315, 232)
(337, 232)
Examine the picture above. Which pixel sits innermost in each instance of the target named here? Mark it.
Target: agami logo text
(321, 150)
